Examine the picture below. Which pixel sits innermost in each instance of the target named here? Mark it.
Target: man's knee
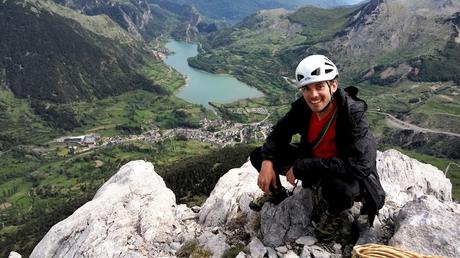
(340, 194)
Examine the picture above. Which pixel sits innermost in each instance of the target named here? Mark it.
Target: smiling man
(336, 156)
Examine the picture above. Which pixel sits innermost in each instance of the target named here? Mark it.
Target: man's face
(317, 94)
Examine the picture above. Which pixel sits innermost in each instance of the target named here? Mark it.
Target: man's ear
(334, 85)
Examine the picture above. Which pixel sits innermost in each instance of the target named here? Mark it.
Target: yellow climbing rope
(384, 251)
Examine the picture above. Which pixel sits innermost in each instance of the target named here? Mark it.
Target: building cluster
(218, 132)
(257, 110)
(82, 142)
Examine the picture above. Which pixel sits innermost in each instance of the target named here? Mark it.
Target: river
(203, 87)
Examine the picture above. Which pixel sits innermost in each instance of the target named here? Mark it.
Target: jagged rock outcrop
(427, 225)
(134, 214)
(287, 221)
(405, 179)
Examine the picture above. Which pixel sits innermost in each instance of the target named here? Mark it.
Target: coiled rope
(384, 251)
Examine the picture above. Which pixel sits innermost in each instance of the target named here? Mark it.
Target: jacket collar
(345, 103)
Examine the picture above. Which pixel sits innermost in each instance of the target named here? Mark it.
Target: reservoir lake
(202, 87)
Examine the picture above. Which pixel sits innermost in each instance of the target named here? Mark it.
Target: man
(336, 156)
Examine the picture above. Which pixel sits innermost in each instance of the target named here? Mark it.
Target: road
(394, 122)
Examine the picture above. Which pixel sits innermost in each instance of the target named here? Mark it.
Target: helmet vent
(329, 70)
(326, 63)
(299, 77)
(316, 72)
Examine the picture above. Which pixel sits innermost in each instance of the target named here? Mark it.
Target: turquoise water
(201, 86)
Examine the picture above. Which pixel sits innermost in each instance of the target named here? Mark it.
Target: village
(219, 132)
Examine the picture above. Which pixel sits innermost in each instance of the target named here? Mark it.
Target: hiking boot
(319, 205)
(328, 226)
(273, 197)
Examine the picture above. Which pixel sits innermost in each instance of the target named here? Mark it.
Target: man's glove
(312, 170)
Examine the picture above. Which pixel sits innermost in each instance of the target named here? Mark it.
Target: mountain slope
(266, 45)
(397, 32)
(235, 10)
(55, 58)
(144, 19)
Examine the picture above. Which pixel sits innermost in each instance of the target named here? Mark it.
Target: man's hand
(290, 176)
(267, 176)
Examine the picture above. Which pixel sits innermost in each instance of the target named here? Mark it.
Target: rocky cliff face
(392, 32)
(134, 214)
(144, 19)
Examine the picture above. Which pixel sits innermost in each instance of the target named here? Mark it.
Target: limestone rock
(14, 255)
(216, 243)
(130, 212)
(318, 252)
(271, 253)
(405, 179)
(242, 255)
(257, 248)
(287, 221)
(231, 196)
(429, 227)
(291, 254)
(232, 193)
(306, 240)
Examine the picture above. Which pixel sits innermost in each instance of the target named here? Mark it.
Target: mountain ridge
(235, 11)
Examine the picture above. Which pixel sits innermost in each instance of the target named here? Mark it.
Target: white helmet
(315, 68)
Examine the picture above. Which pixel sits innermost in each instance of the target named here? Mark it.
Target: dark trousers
(338, 193)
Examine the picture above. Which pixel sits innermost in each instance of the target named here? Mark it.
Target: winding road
(394, 122)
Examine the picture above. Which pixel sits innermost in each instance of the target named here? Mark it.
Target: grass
(321, 24)
(137, 108)
(68, 172)
(255, 62)
(232, 252)
(163, 75)
(18, 123)
(193, 249)
(98, 24)
(431, 105)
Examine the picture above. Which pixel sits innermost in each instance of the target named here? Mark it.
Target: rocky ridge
(134, 214)
(402, 29)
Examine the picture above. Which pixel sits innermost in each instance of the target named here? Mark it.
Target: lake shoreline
(202, 87)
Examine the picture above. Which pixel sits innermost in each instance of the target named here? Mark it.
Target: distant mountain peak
(403, 29)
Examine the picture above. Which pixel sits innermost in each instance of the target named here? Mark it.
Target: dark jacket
(356, 147)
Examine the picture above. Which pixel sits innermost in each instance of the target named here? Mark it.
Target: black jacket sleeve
(281, 134)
